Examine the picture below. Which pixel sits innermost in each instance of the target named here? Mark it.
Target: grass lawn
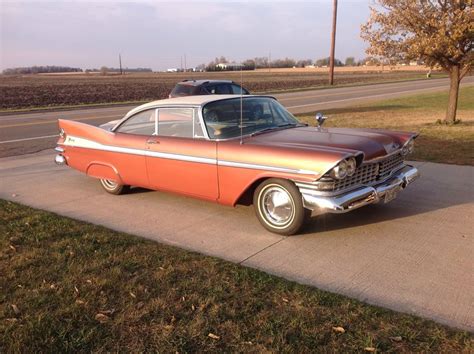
(419, 113)
(71, 286)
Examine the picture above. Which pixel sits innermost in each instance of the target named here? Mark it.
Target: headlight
(345, 168)
(351, 166)
(409, 147)
(340, 171)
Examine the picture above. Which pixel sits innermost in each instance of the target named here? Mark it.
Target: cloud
(157, 34)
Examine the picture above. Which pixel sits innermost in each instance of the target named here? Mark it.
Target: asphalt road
(412, 255)
(32, 132)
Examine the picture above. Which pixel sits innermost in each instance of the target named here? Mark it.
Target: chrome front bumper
(360, 197)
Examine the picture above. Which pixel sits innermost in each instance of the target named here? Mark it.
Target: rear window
(183, 90)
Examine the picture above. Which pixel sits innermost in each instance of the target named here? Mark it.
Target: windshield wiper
(287, 125)
(280, 126)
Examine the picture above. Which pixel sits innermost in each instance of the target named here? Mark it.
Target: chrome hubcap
(277, 206)
(109, 184)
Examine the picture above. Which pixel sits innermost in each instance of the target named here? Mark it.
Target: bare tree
(437, 32)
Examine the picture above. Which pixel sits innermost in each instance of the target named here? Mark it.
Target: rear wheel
(279, 206)
(113, 187)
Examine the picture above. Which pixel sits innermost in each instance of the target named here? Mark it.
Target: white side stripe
(89, 144)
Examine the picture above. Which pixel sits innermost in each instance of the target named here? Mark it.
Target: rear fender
(103, 170)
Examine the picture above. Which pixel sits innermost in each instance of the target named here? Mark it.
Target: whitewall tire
(279, 206)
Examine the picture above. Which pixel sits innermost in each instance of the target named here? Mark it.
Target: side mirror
(320, 119)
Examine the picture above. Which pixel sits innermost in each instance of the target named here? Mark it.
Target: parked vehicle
(207, 87)
(247, 149)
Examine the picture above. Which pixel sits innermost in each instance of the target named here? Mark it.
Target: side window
(211, 89)
(179, 122)
(142, 123)
(236, 90)
(223, 89)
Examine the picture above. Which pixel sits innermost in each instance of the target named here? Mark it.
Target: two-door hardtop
(231, 150)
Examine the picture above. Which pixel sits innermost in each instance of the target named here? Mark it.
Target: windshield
(222, 118)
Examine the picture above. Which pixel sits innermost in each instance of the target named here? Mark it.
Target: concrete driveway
(413, 255)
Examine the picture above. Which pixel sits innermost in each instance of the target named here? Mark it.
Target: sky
(158, 34)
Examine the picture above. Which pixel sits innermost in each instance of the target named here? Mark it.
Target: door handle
(151, 141)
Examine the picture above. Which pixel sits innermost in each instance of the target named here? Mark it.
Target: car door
(179, 158)
(128, 147)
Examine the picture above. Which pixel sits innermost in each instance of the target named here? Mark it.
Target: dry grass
(69, 286)
(437, 142)
(36, 91)
(353, 69)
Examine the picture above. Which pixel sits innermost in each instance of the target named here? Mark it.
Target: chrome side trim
(349, 201)
(59, 149)
(89, 144)
(188, 158)
(265, 167)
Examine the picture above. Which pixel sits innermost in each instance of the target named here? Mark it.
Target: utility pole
(333, 43)
(120, 63)
(185, 67)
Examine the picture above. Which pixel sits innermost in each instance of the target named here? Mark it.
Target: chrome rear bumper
(360, 197)
(59, 159)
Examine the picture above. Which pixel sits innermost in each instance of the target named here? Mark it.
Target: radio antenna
(241, 104)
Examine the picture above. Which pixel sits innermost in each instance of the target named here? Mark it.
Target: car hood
(373, 143)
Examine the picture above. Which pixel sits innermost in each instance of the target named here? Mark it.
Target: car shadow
(409, 203)
(139, 190)
(422, 197)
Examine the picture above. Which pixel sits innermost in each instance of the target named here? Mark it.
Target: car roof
(198, 100)
(201, 82)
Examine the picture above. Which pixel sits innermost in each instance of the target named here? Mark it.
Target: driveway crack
(263, 249)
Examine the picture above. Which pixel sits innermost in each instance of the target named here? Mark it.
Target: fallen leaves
(369, 349)
(15, 309)
(339, 329)
(102, 318)
(396, 338)
(213, 336)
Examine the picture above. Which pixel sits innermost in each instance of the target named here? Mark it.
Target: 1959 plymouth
(232, 150)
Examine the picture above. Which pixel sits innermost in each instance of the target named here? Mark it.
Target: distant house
(172, 70)
(229, 66)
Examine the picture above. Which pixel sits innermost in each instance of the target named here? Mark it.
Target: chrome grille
(368, 173)
(363, 175)
(387, 165)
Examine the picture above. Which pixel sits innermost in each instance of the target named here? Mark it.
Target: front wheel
(113, 187)
(279, 206)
